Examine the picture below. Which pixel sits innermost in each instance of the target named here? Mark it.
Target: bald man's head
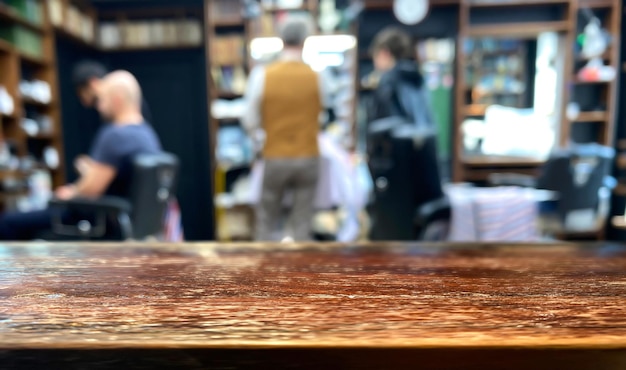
(119, 95)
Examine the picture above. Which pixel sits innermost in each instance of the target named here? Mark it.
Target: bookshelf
(509, 19)
(30, 130)
(135, 29)
(596, 99)
(229, 36)
(162, 28)
(473, 27)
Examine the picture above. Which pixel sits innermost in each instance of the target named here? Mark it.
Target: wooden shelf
(9, 15)
(46, 136)
(225, 23)
(143, 12)
(476, 109)
(500, 3)
(578, 81)
(501, 161)
(33, 61)
(599, 116)
(74, 38)
(524, 29)
(128, 49)
(595, 3)
(34, 103)
(11, 174)
(29, 59)
(386, 4)
(275, 9)
(606, 56)
(12, 116)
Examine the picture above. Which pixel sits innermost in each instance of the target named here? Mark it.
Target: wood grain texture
(374, 306)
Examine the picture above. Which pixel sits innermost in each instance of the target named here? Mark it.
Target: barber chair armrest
(114, 205)
(512, 179)
(610, 182)
(428, 212)
(100, 208)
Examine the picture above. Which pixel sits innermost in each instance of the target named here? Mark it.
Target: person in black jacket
(400, 91)
(401, 146)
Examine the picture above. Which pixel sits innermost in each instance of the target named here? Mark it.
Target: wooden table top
(406, 299)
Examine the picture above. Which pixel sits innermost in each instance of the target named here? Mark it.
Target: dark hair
(85, 71)
(395, 41)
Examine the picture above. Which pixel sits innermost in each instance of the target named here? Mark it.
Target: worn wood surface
(253, 306)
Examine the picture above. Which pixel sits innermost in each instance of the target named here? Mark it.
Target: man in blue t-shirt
(107, 171)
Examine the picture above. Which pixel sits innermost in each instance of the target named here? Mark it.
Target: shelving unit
(75, 20)
(162, 28)
(597, 99)
(505, 62)
(568, 27)
(30, 57)
(229, 22)
(228, 49)
(133, 30)
(480, 168)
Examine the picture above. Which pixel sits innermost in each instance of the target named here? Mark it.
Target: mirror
(512, 96)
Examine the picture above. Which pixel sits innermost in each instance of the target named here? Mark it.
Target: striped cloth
(493, 214)
(172, 225)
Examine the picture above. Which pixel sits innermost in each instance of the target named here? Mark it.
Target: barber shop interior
(312, 184)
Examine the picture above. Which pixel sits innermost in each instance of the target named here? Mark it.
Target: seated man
(108, 169)
(87, 77)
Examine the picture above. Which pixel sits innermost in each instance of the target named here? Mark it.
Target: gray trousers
(298, 176)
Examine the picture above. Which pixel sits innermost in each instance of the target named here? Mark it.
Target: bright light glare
(319, 62)
(329, 43)
(262, 46)
(314, 46)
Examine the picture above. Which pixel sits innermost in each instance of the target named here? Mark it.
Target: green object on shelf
(25, 40)
(30, 10)
(441, 101)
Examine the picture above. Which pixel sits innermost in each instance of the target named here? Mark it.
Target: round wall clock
(410, 12)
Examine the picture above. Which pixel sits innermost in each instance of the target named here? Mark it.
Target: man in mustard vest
(284, 100)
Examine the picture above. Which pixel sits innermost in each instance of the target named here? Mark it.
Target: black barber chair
(409, 202)
(580, 178)
(137, 217)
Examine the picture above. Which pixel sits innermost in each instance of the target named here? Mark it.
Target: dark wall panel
(174, 85)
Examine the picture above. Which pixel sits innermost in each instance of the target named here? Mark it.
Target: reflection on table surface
(323, 297)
